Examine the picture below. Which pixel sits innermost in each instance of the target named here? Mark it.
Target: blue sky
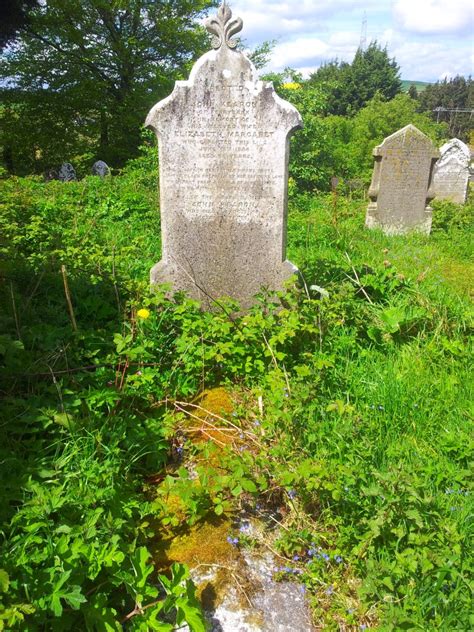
(430, 39)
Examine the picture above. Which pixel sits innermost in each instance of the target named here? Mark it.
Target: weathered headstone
(223, 144)
(100, 168)
(67, 172)
(401, 187)
(451, 174)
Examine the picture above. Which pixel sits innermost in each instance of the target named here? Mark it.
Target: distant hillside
(420, 85)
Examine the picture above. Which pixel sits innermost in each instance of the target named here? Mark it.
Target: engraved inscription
(400, 189)
(223, 145)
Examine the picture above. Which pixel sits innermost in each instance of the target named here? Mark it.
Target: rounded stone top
(408, 135)
(456, 145)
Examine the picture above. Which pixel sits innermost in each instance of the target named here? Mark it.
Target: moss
(208, 406)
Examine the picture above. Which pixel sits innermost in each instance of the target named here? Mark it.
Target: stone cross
(401, 183)
(100, 168)
(223, 141)
(67, 173)
(451, 174)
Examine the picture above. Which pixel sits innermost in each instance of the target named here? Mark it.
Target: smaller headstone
(67, 173)
(100, 168)
(334, 183)
(451, 175)
(401, 187)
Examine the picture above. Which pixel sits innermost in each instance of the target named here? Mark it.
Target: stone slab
(451, 174)
(100, 168)
(67, 173)
(223, 139)
(401, 187)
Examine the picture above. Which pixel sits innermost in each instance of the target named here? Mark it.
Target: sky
(430, 39)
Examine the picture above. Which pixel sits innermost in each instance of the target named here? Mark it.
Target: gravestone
(451, 174)
(100, 168)
(401, 187)
(223, 141)
(67, 173)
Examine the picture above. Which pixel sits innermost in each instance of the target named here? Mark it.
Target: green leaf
(74, 598)
(388, 582)
(4, 580)
(248, 485)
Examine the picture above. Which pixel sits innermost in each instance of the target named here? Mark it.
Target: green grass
(419, 85)
(367, 399)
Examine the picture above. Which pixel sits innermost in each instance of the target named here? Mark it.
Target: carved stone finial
(223, 27)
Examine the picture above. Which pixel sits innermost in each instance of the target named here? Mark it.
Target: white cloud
(434, 16)
(266, 19)
(427, 60)
(425, 36)
(298, 52)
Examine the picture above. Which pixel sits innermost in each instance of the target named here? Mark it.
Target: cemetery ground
(347, 415)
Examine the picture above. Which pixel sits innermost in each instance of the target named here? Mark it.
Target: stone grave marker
(100, 168)
(223, 141)
(401, 187)
(451, 174)
(67, 173)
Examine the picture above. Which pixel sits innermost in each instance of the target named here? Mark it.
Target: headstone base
(373, 220)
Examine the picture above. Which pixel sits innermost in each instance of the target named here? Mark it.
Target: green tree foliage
(86, 73)
(14, 16)
(455, 93)
(310, 156)
(342, 146)
(351, 86)
(375, 122)
(413, 92)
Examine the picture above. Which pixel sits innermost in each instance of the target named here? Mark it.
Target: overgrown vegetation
(364, 434)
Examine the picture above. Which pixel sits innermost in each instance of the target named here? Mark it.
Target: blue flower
(329, 590)
(338, 559)
(296, 558)
(292, 494)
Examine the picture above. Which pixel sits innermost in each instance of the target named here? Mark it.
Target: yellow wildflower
(143, 313)
(292, 85)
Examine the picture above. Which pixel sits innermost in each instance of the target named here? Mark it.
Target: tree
(457, 93)
(351, 86)
(413, 92)
(378, 120)
(100, 65)
(14, 17)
